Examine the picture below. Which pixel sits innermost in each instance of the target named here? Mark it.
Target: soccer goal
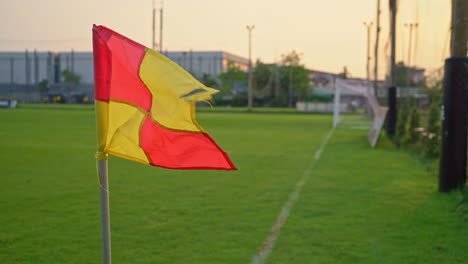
(355, 104)
(356, 107)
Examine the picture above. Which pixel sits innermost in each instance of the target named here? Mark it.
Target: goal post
(336, 106)
(352, 97)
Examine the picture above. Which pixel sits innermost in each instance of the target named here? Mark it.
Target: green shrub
(432, 140)
(219, 101)
(239, 100)
(414, 121)
(280, 101)
(400, 133)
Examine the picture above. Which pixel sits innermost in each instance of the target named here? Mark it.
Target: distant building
(417, 75)
(408, 76)
(322, 79)
(206, 62)
(21, 72)
(29, 68)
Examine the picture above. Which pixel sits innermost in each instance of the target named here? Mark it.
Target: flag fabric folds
(145, 107)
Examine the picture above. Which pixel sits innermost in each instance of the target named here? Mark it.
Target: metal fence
(31, 94)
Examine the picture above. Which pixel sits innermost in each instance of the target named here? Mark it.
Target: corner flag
(145, 107)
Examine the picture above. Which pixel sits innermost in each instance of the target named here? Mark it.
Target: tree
(70, 77)
(43, 86)
(232, 74)
(209, 81)
(70, 80)
(345, 74)
(261, 75)
(295, 76)
(401, 75)
(433, 88)
(293, 58)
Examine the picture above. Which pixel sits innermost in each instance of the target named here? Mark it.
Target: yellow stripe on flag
(172, 89)
(123, 134)
(102, 115)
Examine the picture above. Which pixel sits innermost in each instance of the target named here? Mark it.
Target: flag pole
(105, 218)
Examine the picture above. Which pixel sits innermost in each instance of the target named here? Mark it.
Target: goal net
(355, 104)
(356, 107)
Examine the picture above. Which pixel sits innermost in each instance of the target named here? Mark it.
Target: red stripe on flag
(117, 62)
(102, 66)
(182, 150)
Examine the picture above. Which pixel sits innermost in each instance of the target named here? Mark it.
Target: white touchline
(267, 247)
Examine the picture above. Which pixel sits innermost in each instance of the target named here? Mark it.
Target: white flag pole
(105, 218)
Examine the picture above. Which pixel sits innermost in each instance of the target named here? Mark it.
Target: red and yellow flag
(145, 107)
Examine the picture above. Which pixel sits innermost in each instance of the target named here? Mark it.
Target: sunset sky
(330, 34)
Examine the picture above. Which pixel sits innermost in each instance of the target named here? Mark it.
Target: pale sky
(330, 34)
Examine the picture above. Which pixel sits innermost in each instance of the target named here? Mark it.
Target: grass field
(358, 206)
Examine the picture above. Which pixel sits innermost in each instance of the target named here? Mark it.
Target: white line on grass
(267, 247)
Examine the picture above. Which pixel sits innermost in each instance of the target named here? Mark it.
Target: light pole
(393, 11)
(154, 29)
(368, 26)
(250, 28)
(411, 26)
(376, 49)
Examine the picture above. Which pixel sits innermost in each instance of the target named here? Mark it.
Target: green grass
(358, 206)
(381, 207)
(229, 109)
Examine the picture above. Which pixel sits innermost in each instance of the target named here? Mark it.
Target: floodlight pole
(376, 49)
(161, 29)
(153, 46)
(411, 26)
(393, 10)
(250, 28)
(105, 217)
(368, 26)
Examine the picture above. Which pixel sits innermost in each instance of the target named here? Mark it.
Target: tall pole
(12, 70)
(72, 61)
(28, 68)
(12, 74)
(250, 28)
(290, 101)
(36, 68)
(393, 10)
(161, 30)
(368, 26)
(49, 67)
(459, 38)
(105, 217)
(154, 28)
(411, 26)
(392, 109)
(376, 50)
(452, 169)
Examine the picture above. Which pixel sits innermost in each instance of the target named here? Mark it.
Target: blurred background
(46, 46)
